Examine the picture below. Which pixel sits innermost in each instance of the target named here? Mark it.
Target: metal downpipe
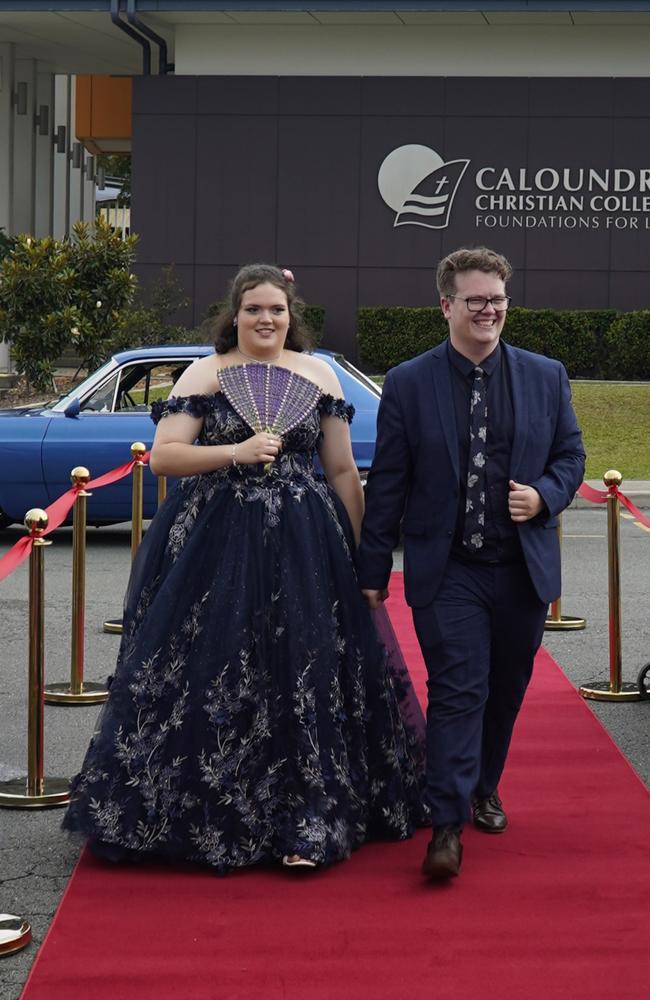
(163, 65)
(146, 47)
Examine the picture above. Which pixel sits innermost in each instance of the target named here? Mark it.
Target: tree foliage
(152, 324)
(117, 167)
(6, 243)
(56, 294)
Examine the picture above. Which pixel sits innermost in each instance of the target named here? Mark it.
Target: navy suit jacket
(414, 477)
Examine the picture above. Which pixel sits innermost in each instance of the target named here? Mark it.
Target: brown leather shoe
(444, 854)
(488, 814)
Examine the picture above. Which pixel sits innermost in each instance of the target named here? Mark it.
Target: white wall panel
(409, 50)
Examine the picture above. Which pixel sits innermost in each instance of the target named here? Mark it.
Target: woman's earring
(234, 322)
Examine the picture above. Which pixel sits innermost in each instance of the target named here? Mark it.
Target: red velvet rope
(589, 493)
(600, 496)
(59, 510)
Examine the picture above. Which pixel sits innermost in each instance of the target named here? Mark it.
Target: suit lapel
(445, 402)
(518, 386)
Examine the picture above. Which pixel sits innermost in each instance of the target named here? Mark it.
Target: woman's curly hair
(224, 332)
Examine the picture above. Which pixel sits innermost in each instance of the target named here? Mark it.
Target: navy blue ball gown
(253, 712)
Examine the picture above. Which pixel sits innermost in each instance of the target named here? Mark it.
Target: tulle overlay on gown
(253, 712)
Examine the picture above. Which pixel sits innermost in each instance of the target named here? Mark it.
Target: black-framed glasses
(477, 303)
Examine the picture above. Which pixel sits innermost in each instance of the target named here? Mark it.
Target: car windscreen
(83, 388)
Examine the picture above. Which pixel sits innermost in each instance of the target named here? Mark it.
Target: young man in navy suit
(478, 451)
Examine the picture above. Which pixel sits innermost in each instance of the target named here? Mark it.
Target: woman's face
(263, 320)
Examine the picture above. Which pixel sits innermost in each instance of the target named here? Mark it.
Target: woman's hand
(375, 598)
(264, 447)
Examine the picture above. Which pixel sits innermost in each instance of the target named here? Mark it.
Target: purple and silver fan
(269, 398)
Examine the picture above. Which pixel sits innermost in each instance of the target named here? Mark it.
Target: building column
(61, 172)
(6, 157)
(24, 149)
(89, 194)
(77, 175)
(44, 171)
(6, 135)
(41, 192)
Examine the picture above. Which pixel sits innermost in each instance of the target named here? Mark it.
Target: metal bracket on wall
(42, 120)
(60, 139)
(19, 98)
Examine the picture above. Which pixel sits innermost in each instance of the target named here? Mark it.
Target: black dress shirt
(501, 543)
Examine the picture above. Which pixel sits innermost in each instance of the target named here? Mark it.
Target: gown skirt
(253, 712)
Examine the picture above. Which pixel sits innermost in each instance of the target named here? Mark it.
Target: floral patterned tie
(474, 527)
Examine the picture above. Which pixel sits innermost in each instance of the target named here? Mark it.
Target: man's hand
(524, 502)
(375, 597)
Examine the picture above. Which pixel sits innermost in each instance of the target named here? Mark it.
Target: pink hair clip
(288, 275)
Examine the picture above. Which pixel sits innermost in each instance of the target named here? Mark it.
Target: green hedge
(591, 343)
(627, 346)
(389, 335)
(314, 317)
(568, 336)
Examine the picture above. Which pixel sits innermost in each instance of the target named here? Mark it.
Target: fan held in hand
(269, 398)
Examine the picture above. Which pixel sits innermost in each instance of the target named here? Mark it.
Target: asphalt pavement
(36, 858)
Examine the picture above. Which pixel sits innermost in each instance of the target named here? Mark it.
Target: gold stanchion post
(137, 497)
(614, 689)
(162, 489)
(15, 934)
(556, 621)
(37, 792)
(78, 691)
(114, 626)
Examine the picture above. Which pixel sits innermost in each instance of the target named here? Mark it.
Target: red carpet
(558, 907)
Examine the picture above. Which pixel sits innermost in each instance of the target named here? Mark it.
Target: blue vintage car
(96, 423)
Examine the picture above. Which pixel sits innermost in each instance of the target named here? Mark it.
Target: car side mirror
(73, 408)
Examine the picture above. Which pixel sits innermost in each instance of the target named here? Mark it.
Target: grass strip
(615, 422)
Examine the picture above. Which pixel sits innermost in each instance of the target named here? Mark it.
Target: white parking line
(566, 535)
(630, 517)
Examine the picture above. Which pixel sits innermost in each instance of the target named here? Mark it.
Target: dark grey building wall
(227, 170)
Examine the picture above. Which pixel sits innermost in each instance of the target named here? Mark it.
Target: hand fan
(267, 397)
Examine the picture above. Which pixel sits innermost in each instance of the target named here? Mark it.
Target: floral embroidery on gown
(253, 712)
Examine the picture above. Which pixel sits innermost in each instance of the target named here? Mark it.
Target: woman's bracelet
(234, 456)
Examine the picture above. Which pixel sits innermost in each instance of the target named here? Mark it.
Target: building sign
(420, 187)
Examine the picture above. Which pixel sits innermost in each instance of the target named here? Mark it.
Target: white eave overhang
(78, 36)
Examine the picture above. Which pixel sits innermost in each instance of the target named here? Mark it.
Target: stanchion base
(564, 623)
(602, 691)
(15, 794)
(114, 626)
(15, 934)
(62, 694)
